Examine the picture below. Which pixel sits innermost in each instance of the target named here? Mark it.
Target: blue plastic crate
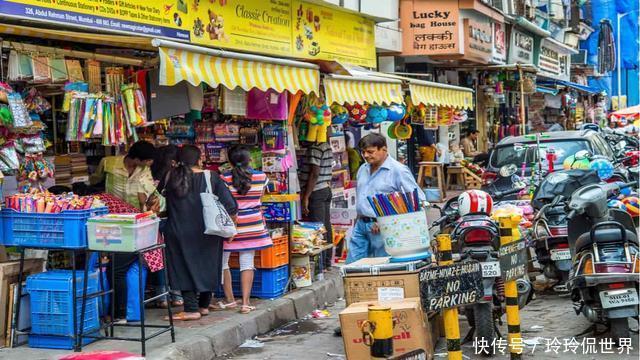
(52, 302)
(267, 283)
(64, 230)
(57, 342)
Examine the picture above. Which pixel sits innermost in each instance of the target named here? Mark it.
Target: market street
(545, 318)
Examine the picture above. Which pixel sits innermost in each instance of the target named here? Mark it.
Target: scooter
(550, 223)
(477, 237)
(604, 246)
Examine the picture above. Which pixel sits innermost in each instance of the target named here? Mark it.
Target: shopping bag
(216, 219)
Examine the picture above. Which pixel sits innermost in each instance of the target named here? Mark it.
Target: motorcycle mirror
(508, 170)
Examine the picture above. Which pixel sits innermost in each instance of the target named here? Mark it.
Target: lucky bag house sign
(430, 27)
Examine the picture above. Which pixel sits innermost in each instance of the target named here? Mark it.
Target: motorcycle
(549, 234)
(604, 246)
(476, 236)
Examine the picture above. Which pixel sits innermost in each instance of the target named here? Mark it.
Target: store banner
(520, 48)
(499, 51)
(549, 60)
(430, 27)
(279, 28)
(478, 41)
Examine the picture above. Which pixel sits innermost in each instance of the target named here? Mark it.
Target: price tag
(390, 293)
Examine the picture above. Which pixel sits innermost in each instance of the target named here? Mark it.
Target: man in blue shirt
(380, 174)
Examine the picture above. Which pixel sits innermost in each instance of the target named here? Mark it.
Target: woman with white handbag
(200, 209)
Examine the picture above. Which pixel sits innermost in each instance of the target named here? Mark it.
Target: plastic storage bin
(58, 342)
(52, 304)
(269, 258)
(267, 283)
(120, 236)
(64, 230)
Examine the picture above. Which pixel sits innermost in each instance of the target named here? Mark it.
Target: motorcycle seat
(604, 236)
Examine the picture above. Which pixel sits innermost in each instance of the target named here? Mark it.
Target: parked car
(516, 150)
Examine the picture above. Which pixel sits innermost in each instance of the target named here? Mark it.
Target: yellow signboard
(275, 27)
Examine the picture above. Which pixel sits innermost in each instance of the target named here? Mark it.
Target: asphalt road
(549, 327)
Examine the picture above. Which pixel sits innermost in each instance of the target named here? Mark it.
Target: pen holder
(405, 236)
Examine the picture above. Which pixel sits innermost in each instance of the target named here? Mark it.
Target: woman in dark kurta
(194, 260)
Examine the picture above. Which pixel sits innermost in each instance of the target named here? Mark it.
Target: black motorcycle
(604, 247)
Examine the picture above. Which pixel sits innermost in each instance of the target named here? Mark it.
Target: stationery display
(395, 203)
(47, 203)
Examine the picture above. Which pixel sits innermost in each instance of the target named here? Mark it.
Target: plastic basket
(52, 303)
(269, 258)
(405, 234)
(267, 284)
(122, 237)
(64, 230)
(57, 342)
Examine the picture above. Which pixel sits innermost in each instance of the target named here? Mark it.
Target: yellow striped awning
(434, 94)
(344, 89)
(177, 65)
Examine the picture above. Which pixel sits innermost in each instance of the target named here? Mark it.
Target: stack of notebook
(63, 170)
(79, 168)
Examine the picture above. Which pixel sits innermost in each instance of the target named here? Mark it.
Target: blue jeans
(364, 244)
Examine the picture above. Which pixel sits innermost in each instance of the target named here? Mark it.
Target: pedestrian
(127, 177)
(166, 159)
(194, 260)
(247, 187)
(316, 195)
(379, 175)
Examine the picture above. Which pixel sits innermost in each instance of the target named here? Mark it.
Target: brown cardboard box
(365, 286)
(411, 331)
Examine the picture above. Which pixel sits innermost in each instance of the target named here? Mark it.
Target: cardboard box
(378, 285)
(411, 331)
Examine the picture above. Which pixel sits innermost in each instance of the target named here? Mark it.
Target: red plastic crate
(269, 258)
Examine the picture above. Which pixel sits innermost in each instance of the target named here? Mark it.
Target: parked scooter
(550, 240)
(476, 235)
(604, 246)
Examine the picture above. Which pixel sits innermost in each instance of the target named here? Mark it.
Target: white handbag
(216, 219)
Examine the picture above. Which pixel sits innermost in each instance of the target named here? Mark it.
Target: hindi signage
(449, 286)
(430, 27)
(513, 260)
(520, 48)
(499, 51)
(274, 27)
(478, 41)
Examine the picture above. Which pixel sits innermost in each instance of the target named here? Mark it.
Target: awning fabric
(583, 88)
(341, 89)
(546, 90)
(135, 42)
(177, 65)
(434, 94)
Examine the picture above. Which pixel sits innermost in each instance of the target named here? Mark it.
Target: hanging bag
(216, 219)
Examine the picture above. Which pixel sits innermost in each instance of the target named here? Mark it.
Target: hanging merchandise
(58, 69)
(357, 113)
(234, 102)
(35, 102)
(70, 89)
(20, 67)
(114, 79)
(376, 114)
(216, 152)
(319, 118)
(41, 69)
(226, 132)
(249, 135)
(204, 132)
(6, 119)
(18, 110)
(134, 104)
(94, 77)
(403, 130)
(273, 138)
(8, 158)
(266, 105)
(430, 117)
(340, 114)
(445, 116)
(606, 47)
(74, 70)
(30, 144)
(34, 171)
(396, 112)
(459, 116)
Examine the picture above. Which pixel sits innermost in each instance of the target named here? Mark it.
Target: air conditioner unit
(579, 58)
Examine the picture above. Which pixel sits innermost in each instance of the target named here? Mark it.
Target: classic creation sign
(449, 286)
(275, 27)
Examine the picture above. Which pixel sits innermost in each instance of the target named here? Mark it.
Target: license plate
(618, 298)
(564, 254)
(490, 269)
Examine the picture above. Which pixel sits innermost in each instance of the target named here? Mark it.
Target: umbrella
(633, 111)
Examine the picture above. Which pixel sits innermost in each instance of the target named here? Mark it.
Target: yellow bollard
(509, 232)
(450, 316)
(377, 332)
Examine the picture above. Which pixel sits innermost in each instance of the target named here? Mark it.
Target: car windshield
(518, 153)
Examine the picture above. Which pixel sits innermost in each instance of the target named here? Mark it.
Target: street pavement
(548, 321)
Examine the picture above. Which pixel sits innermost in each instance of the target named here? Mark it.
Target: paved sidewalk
(213, 335)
